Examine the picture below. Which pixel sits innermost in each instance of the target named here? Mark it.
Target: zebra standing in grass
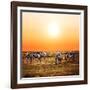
(58, 58)
(29, 57)
(41, 55)
(71, 56)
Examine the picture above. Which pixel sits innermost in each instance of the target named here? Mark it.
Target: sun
(53, 30)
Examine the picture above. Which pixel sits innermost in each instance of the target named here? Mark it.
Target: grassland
(47, 68)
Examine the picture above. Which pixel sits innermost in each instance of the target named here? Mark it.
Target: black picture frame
(14, 38)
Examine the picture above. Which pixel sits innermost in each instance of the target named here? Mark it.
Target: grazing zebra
(29, 57)
(71, 56)
(43, 55)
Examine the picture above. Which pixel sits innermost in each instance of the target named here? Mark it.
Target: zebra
(58, 58)
(71, 56)
(29, 57)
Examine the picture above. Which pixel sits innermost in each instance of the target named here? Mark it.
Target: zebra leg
(59, 61)
(40, 60)
(30, 61)
(56, 61)
(27, 60)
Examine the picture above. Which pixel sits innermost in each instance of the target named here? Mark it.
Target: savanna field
(46, 67)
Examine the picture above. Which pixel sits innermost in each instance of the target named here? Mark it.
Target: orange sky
(37, 34)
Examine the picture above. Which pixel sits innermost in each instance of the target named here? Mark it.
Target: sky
(50, 32)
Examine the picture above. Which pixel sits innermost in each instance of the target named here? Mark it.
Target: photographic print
(49, 44)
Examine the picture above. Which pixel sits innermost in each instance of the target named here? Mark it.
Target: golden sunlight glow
(50, 32)
(53, 30)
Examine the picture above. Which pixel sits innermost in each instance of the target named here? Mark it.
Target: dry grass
(48, 68)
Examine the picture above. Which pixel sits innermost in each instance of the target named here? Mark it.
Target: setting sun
(53, 30)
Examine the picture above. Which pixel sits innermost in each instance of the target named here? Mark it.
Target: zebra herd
(58, 56)
(35, 55)
(65, 56)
